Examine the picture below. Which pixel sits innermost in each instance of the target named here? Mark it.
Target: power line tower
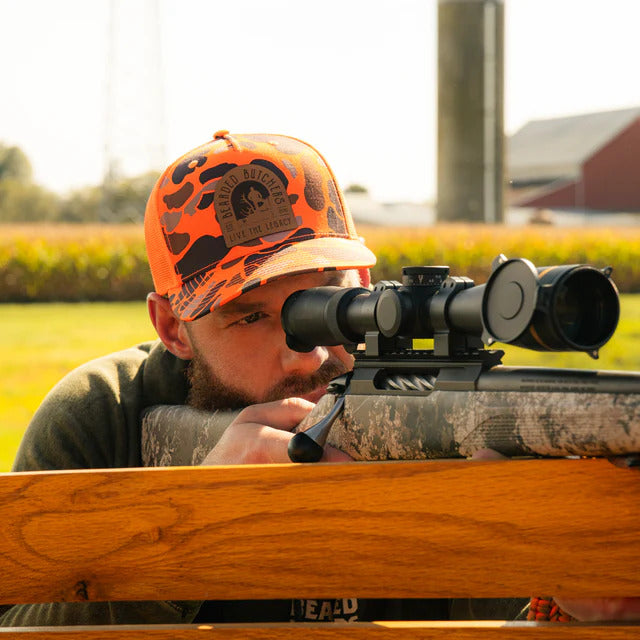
(134, 129)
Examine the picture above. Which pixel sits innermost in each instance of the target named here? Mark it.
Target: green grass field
(42, 342)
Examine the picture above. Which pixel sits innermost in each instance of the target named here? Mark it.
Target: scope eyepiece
(326, 316)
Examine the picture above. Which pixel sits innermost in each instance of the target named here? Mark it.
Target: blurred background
(96, 92)
(459, 129)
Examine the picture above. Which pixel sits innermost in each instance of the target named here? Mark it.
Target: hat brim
(210, 290)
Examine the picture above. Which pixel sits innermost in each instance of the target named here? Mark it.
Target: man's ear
(365, 278)
(169, 327)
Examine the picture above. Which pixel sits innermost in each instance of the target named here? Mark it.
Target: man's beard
(209, 392)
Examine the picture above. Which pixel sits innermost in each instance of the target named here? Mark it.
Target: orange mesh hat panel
(240, 211)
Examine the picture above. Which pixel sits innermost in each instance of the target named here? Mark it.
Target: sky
(355, 78)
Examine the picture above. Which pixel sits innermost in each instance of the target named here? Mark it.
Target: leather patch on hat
(250, 202)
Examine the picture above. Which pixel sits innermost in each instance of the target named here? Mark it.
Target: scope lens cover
(509, 300)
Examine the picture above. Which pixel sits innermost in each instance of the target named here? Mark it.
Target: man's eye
(251, 318)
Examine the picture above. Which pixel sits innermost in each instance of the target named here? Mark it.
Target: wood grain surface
(370, 529)
(486, 630)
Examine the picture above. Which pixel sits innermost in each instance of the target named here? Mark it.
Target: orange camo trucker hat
(241, 211)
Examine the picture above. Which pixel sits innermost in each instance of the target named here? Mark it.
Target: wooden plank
(486, 630)
(385, 529)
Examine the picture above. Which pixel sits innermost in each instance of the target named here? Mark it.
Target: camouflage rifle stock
(516, 411)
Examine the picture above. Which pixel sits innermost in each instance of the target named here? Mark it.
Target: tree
(22, 200)
(82, 205)
(14, 164)
(27, 202)
(124, 200)
(118, 201)
(356, 188)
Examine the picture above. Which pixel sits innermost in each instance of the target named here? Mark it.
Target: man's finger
(280, 414)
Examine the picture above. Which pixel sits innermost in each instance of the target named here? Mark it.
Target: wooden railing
(428, 529)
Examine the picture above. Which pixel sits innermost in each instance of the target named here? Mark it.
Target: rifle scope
(558, 308)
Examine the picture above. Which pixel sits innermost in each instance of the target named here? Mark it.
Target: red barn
(589, 161)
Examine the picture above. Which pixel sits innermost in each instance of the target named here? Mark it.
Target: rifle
(401, 402)
(451, 401)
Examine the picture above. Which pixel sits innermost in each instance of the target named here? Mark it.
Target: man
(232, 229)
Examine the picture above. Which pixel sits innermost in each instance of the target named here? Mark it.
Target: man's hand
(261, 433)
(600, 609)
